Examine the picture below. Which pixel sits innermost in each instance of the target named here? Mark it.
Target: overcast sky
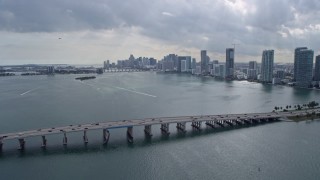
(95, 30)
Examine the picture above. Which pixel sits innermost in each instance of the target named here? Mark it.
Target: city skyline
(88, 32)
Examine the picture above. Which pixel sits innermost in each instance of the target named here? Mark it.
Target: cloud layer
(108, 29)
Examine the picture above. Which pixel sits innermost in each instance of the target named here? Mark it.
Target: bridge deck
(150, 121)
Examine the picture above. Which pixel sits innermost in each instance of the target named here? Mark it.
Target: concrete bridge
(213, 121)
(124, 70)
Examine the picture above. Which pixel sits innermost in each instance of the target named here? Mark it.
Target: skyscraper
(267, 66)
(253, 65)
(194, 63)
(317, 69)
(229, 62)
(204, 63)
(303, 64)
(252, 72)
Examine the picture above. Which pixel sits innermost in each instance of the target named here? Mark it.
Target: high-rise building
(267, 66)
(280, 74)
(252, 74)
(106, 64)
(172, 58)
(229, 63)
(183, 66)
(317, 69)
(252, 71)
(303, 64)
(204, 63)
(188, 63)
(222, 72)
(194, 63)
(296, 57)
(253, 65)
(50, 70)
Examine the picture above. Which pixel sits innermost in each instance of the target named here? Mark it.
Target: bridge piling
(44, 142)
(65, 139)
(106, 136)
(85, 137)
(147, 130)
(181, 127)
(229, 122)
(220, 123)
(1, 144)
(22, 143)
(196, 124)
(130, 134)
(210, 124)
(165, 128)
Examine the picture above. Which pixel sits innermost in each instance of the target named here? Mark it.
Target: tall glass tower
(317, 69)
(204, 63)
(303, 64)
(267, 66)
(229, 62)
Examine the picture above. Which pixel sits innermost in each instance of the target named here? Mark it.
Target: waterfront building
(276, 80)
(198, 70)
(187, 60)
(252, 74)
(204, 62)
(106, 64)
(183, 66)
(317, 69)
(172, 58)
(267, 66)
(194, 63)
(222, 72)
(167, 65)
(253, 65)
(229, 63)
(50, 70)
(244, 70)
(303, 64)
(280, 74)
(216, 70)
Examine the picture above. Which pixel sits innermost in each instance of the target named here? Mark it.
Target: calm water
(283, 150)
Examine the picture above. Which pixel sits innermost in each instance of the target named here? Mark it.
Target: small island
(85, 78)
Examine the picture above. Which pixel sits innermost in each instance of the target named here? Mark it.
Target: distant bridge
(124, 70)
(212, 121)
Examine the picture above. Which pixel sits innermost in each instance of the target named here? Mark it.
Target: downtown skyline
(82, 32)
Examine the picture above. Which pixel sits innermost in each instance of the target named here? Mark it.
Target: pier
(211, 121)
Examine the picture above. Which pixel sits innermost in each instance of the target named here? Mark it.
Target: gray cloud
(212, 25)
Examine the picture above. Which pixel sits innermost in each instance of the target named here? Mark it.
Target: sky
(91, 31)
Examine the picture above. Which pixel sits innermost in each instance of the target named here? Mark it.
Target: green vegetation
(310, 105)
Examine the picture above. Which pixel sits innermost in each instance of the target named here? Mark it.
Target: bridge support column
(106, 136)
(44, 142)
(229, 122)
(1, 144)
(22, 143)
(238, 121)
(65, 139)
(210, 124)
(147, 130)
(196, 125)
(130, 134)
(85, 137)
(220, 123)
(165, 128)
(181, 127)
